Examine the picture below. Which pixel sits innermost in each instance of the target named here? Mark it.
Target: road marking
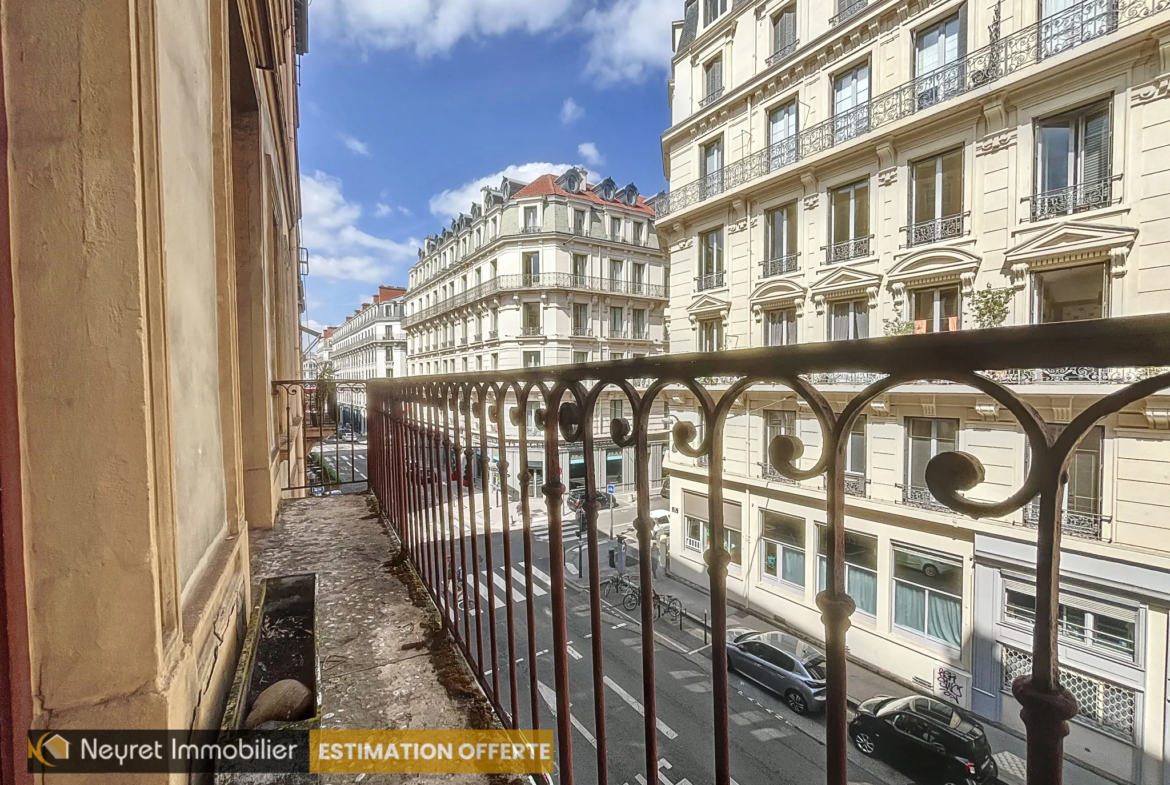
(573, 653)
(483, 592)
(696, 651)
(503, 584)
(542, 575)
(619, 626)
(663, 728)
(590, 635)
(542, 651)
(550, 698)
(536, 590)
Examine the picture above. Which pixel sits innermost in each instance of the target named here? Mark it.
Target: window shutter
(1095, 164)
(962, 31)
(716, 76)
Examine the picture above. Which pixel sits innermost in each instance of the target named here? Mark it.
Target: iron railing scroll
(328, 416)
(415, 419)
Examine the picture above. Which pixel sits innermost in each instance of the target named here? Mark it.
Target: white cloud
(406, 212)
(432, 27)
(453, 201)
(630, 39)
(338, 249)
(589, 152)
(355, 145)
(571, 111)
(382, 210)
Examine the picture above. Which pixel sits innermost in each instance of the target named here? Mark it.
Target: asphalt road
(769, 744)
(348, 459)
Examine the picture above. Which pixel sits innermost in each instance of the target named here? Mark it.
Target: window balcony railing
(493, 335)
(783, 53)
(581, 231)
(855, 484)
(479, 337)
(1075, 375)
(409, 416)
(463, 341)
(1073, 199)
(709, 281)
(767, 472)
(711, 98)
(859, 378)
(582, 332)
(616, 333)
(935, 230)
(913, 496)
(846, 11)
(1086, 21)
(848, 250)
(1088, 525)
(530, 331)
(531, 229)
(779, 265)
(640, 333)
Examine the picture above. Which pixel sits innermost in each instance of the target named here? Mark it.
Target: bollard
(705, 628)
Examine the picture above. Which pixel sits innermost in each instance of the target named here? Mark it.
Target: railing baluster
(717, 560)
(523, 481)
(499, 407)
(645, 575)
(461, 574)
(481, 412)
(469, 453)
(441, 533)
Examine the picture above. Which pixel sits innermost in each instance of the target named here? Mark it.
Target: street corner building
(840, 172)
(150, 294)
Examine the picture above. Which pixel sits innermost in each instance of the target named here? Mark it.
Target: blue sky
(407, 105)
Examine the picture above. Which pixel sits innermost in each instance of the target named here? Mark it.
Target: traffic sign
(609, 488)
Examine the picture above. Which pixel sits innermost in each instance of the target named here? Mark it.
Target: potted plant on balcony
(989, 307)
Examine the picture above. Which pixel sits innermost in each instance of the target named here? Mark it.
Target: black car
(576, 498)
(946, 745)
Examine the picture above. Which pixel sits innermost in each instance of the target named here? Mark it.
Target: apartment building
(899, 167)
(550, 272)
(369, 344)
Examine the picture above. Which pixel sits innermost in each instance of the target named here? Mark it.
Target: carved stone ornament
(967, 280)
(810, 201)
(1150, 91)
(888, 176)
(738, 226)
(994, 142)
(871, 292)
(1019, 276)
(819, 302)
(898, 289)
(1117, 260)
(684, 243)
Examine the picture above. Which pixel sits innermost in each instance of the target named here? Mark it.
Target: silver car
(784, 664)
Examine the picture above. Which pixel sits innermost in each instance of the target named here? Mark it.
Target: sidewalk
(1009, 750)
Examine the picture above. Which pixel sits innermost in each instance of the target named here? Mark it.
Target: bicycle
(622, 583)
(633, 596)
(667, 604)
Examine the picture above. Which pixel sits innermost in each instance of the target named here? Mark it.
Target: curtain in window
(1095, 148)
(793, 567)
(909, 607)
(862, 587)
(946, 619)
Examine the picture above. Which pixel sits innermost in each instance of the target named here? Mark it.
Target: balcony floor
(381, 664)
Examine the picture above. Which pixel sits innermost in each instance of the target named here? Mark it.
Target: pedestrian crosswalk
(500, 585)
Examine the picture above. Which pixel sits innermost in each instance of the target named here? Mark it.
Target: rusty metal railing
(442, 423)
(329, 417)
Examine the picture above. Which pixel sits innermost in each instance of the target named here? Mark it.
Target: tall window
(711, 335)
(479, 327)
(531, 316)
(855, 458)
(531, 262)
(936, 198)
(580, 318)
(936, 47)
(531, 359)
(927, 438)
(781, 235)
(713, 80)
(928, 595)
(638, 232)
(1086, 621)
(711, 259)
(850, 320)
(1068, 23)
(1073, 162)
(783, 34)
(782, 545)
(638, 277)
(1069, 294)
(782, 128)
(580, 268)
(617, 322)
(713, 9)
(850, 237)
(530, 224)
(780, 327)
(712, 169)
(776, 423)
(580, 357)
(638, 319)
(495, 314)
(479, 362)
(495, 362)
(615, 275)
(936, 310)
(851, 104)
(616, 409)
(860, 568)
(579, 222)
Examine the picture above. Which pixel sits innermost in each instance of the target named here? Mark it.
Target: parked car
(576, 498)
(924, 564)
(659, 526)
(782, 663)
(944, 743)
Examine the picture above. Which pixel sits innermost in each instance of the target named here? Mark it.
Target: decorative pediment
(933, 265)
(708, 304)
(777, 292)
(845, 280)
(1073, 241)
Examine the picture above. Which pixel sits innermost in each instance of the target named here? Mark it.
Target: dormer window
(712, 10)
(570, 183)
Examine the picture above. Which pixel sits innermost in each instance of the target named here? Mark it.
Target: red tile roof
(546, 185)
(387, 293)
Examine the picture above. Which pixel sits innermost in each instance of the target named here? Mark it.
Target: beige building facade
(151, 179)
(915, 167)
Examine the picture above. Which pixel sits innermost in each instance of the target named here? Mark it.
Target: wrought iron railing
(935, 230)
(709, 281)
(493, 335)
(918, 496)
(769, 473)
(439, 427)
(783, 52)
(711, 97)
(1073, 199)
(847, 250)
(504, 283)
(531, 330)
(531, 229)
(855, 484)
(617, 333)
(780, 265)
(321, 413)
(846, 11)
(583, 332)
(1089, 525)
(1057, 33)
(640, 333)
